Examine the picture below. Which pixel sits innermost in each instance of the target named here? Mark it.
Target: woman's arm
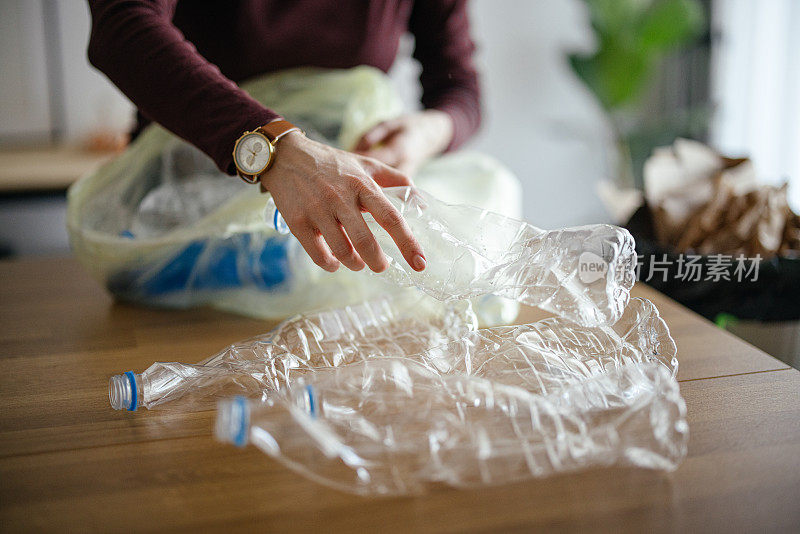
(136, 45)
(321, 191)
(444, 48)
(450, 94)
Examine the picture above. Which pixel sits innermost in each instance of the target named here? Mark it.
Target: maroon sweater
(178, 61)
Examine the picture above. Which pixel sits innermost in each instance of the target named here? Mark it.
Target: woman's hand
(322, 191)
(407, 142)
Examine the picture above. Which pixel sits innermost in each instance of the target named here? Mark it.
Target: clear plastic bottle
(393, 325)
(394, 426)
(583, 274)
(541, 356)
(536, 357)
(491, 310)
(274, 217)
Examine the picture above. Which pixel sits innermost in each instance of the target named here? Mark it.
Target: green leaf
(624, 73)
(633, 35)
(617, 74)
(671, 24)
(615, 17)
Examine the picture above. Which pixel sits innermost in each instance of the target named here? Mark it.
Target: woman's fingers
(385, 214)
(315, 247)
(362, 239)
(386, 176)
(376, 135)
(339, 244)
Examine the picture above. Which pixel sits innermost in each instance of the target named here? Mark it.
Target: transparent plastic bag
(473, 252)
(160, 225)
(191, 189)
(394, 426)
(442, 337)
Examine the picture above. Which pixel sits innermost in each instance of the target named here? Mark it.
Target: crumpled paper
(703, 202)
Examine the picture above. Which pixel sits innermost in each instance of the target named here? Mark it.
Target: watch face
(252, 153)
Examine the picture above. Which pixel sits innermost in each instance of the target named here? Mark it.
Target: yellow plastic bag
(160, 225)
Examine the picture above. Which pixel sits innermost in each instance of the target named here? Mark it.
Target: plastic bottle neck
(125, 391)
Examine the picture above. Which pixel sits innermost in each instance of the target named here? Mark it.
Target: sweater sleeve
(135, 44)
(445, 50)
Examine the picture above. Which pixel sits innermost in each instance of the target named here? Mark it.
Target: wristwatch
(254, 152)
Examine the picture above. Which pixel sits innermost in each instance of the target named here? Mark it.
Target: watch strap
(277, 129)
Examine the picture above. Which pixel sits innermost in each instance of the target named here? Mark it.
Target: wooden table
(68, 461)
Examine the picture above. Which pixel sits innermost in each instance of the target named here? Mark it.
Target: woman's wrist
(292, 141)
(438, 129)
(290, 146)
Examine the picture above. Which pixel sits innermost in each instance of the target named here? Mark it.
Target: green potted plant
(633, 38)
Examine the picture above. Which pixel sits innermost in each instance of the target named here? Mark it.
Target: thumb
(375, 135)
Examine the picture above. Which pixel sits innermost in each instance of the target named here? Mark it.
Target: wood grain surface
(70, 462)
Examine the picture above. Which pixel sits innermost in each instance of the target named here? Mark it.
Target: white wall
(24, 103)
(91, 101)
(88, 101)
(540, 119)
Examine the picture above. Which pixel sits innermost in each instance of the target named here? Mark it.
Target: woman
(179, 61)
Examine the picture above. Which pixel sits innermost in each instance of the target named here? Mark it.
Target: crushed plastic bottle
(393, 325)
(387, 399)
(548, 354)
(191, 189)
(584, 274)
(537, 357)
(394, 426)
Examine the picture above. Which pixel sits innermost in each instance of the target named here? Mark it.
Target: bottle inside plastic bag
(394, 426)
(444, 338)
(191, 188)
(583, 274)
